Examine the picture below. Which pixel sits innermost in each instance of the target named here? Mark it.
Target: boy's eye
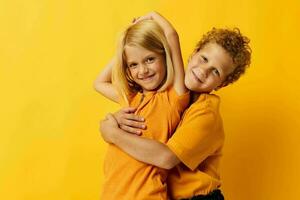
(216, 72)
(203, 59)
(150, 60)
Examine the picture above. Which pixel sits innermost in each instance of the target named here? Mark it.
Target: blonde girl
(147, 74)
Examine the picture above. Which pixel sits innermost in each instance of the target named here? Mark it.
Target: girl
(219, 59)
(144, 76)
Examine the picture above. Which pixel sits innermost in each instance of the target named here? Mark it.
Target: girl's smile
(146, 68)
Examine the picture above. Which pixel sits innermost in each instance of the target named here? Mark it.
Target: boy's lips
(197, 78)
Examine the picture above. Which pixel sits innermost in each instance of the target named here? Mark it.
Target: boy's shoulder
(207, 101)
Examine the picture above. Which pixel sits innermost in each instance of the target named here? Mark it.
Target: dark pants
(214, 195)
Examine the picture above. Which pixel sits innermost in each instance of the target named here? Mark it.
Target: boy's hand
(130, 122)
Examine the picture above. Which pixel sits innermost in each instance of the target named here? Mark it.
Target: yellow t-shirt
(198, 143)
(128, 179)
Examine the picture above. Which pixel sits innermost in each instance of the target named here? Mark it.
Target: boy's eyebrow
(204, 57)
(218, 68)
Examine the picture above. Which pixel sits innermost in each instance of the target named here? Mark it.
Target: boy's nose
(203, 72)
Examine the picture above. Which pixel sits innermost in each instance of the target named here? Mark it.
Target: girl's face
(208, 68)
(147, 68)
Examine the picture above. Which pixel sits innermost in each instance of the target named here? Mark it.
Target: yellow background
(52, 50)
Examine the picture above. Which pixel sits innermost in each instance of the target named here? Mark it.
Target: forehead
(133, 53)
(217, 56)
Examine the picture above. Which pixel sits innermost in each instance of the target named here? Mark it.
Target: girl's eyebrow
(130, 63)
(149, 55)
(145, 57)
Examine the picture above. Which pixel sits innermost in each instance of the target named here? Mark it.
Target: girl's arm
(103, 83)
(143, 149)
(173, 41)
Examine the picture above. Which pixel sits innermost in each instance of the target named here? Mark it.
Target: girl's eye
(149, 60)
(216, 72)
(132, 65)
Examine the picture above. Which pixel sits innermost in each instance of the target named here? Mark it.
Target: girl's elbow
(96, 86)
(172, 35)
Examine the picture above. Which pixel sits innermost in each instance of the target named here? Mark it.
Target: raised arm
(103, 83)
(173, 41)
(143, 149)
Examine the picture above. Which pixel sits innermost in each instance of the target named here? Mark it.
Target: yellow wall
(51, 51)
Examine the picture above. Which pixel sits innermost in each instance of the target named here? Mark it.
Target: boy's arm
(143, 149)
(174, 44)
(103, 83)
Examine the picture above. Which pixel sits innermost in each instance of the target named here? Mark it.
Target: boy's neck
(195, 96)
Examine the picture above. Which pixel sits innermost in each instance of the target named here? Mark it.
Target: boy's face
(208, 68)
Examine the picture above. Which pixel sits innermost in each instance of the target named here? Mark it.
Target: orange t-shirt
(198, 143)
(128, 179)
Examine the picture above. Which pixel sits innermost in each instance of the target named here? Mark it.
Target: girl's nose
(144, 69)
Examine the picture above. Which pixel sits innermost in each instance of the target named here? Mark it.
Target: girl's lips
(147, 77)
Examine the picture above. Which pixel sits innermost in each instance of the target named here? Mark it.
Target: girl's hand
(144, 17)
(130, 122)
(108, 127)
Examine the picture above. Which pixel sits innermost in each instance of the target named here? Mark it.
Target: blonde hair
(146, 34)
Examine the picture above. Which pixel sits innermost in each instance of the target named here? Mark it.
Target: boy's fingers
(134, 117)
(109, 116)
(129, 110)
(131, 130)
(134, 124)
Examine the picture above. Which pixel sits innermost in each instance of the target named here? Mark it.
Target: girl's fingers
(131, 129)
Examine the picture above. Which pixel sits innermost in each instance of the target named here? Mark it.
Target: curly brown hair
(235, 44)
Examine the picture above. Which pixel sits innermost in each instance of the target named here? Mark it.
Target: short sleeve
(195, 139)
(181, 101)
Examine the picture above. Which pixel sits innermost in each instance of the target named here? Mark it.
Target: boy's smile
(208, 68)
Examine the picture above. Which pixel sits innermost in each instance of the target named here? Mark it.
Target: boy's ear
(217, 88)
(224, 84)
